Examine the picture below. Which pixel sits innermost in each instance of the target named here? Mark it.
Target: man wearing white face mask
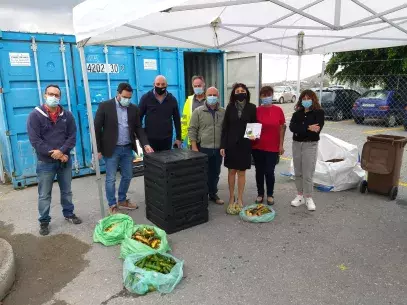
(52, 132)
(117, 123)
(205, 128)
(192, 102)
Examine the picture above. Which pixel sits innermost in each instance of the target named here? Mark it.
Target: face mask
(52, 101)
(125, 102)
(212, 100)
(160, 91)
(198, 90)
(267, 100)
(240, 97)
(306, 103)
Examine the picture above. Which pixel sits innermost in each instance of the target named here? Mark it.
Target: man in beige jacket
(204, 132)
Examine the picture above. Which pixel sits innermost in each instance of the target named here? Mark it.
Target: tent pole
(300, 51)
(299, 76)
(322, 80)
(91, 128)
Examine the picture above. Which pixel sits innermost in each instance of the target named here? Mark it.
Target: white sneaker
(310, 204)
(299, 200)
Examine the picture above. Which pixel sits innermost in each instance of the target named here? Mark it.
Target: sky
(275, 67)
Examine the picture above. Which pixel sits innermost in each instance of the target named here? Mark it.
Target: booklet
(253, 130)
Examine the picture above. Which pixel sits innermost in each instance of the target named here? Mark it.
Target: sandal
(231, 209)
(270, 200)
(259, 199)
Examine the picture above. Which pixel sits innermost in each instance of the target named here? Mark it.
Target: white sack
(337, 176)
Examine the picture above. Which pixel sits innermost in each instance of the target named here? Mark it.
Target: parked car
(386, 105)
(405, 118)
(338, 103)
(284, 94)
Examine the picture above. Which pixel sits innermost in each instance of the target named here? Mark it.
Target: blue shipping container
(137, 66)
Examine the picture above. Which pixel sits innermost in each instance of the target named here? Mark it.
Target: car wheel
(293, 99)
(339, 115)
(359, 120)
(363, 187)
(393, 193)
(281, 100)
(391, 120)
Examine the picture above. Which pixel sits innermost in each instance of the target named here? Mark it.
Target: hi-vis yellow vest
(186, 117)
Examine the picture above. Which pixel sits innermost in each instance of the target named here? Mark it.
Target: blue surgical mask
(306, 103)
(125, 102)
(212, 100)
(198, 90)
(267, 100)
(52, 101)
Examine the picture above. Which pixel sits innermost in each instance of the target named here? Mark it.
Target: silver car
(284, 94)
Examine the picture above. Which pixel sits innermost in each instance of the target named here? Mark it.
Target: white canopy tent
(293, 27)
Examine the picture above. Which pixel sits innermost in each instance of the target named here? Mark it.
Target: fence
(358, 105)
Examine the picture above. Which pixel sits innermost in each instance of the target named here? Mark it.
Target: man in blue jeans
(117, 123)
(52, 133)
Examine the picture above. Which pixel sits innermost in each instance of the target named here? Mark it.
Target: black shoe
(74, 219)
(44, 229)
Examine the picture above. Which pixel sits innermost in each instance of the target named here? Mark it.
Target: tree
(383, 67)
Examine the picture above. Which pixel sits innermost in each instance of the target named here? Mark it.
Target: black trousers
(161, 144)
(265, 164)
(214, 165)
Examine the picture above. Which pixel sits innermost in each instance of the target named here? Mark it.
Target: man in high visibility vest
(192, 102)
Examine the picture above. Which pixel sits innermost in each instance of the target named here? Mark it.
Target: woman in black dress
(234, 147)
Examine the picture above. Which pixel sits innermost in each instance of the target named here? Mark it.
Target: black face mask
(240, 97)
(160, 91)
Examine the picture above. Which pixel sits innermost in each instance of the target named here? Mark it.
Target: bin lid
(174, 155)
(391, 139)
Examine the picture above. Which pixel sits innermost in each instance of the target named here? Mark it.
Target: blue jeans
(123, 156)
(214, 165)
(46, 173)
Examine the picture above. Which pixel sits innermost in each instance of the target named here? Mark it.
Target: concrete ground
(352, 250)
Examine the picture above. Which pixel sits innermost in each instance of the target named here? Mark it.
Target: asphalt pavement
(351, 250)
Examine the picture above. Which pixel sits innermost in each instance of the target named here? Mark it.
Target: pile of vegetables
(111, 227)
(258, 210)
(156, 262)
(148, 237)
(257, 213)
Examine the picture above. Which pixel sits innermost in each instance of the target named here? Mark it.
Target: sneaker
(310, 204)
(215, 198)
(113, 210)
(299, 200)
(44, 228)
(74, 219)
(126, 205)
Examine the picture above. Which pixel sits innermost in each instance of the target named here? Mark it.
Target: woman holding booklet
(270, 145)
(235, 147)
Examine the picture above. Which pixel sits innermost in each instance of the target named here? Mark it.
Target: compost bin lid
(174, 155)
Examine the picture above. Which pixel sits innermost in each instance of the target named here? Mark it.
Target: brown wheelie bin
(381, 158)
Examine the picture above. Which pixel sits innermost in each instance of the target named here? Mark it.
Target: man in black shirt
(160, 109)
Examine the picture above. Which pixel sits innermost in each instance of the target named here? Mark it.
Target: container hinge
(8, 133)
(1, 90)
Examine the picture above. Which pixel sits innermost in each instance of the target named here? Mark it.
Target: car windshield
(327, 96)
(278, 89)
(379, 94)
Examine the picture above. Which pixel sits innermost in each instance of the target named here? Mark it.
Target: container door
(120, 65)
(243, 68)
(21, 96)
(151, 62)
